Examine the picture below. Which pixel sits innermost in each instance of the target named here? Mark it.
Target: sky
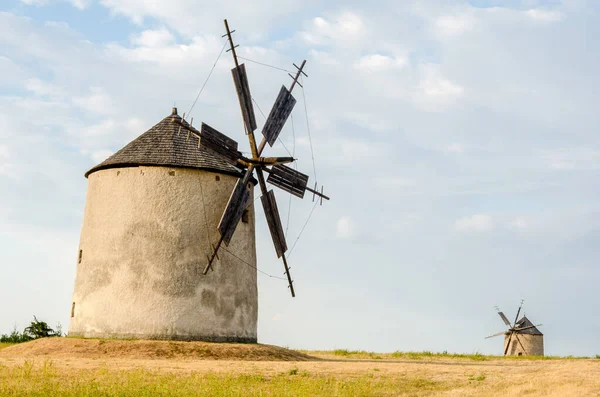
(457, 139)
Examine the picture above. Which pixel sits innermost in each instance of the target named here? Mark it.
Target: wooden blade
(238, 201)
(274, 222)
(282, 108)
(524, 328)
(220, 143)
(517, 316)
(498, 334)
(522, 347)
(504, 318)
(289, 277)
(240, 79)
(288, 179)
(508, 343)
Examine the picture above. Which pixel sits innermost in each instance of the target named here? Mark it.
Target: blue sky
(458, 141)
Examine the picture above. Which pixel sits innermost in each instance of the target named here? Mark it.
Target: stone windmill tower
(143, 245)
(163, 211)
(522, 337)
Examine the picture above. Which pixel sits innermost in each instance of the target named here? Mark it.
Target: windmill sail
(274, 222)
(238, 201)
(288, 179)
(219, 143)
(282, 108)
(240, 79)
(504, 318)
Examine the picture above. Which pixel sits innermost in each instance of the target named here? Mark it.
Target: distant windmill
(522, 337)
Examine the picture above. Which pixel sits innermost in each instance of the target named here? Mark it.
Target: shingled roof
(524, 322)
(168, 145)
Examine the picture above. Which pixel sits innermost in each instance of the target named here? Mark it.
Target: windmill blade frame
(508, 343)
(498, 334)
(503, 317)
(519, 340)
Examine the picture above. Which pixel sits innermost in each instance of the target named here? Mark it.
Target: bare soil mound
(144, 349)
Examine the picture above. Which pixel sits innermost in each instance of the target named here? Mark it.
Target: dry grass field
(73, 367)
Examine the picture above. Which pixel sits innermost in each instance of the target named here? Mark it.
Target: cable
(279, 139)
(264, 64)
(206, 81)
(287, 225)
(312, 153)
(252, 266)
(302, 230)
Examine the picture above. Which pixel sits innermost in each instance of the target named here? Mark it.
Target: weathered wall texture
(533, 344)
(143, 247)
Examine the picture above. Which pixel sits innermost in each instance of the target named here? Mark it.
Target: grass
(362, 354)
(43, 379)
(5, 344)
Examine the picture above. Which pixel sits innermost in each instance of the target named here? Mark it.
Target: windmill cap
(167, 145)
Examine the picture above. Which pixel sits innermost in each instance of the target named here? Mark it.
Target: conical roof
(524, 322)
(168, 145)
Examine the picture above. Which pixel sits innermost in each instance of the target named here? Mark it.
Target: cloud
(572, 158)
(97, 101)
(378, 62)
(343, 28)
(452, 25)
(153, 38)
(345, 229)
(519, 223)
(541, 15)
(475, 223)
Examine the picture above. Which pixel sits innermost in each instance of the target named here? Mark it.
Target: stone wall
(144, 244)
(533, 344)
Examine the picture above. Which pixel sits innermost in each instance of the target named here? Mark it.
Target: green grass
(4, 344)
(362, 354)
(42, 379)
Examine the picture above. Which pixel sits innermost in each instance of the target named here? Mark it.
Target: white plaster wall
(144, 244)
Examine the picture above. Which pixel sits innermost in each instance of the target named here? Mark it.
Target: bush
(36, 329)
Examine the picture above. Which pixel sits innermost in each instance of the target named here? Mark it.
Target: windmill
(529, 340)
(143, 261)
(280, 175)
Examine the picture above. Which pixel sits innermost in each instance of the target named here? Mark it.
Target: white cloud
(346, 229)
(519, 223)
(541, 15)
(43, 88)
(452, 25)
(101, 155)
(572, 158)
(435, 92)
(153, 38)
(378, 62)
(97, 102)
(454, 148)
(475, 223)
(344, 28)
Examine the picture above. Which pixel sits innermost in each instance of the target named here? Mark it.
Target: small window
(73, 310)
(245, 216)
(171, 173)
(520, 353)
(80, 256)
(217, 178)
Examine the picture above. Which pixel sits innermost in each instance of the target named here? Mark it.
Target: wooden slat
(274, 222)
(288, 179)
(282, 108)
(238, 201)
(219, 143)
(240, 79)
